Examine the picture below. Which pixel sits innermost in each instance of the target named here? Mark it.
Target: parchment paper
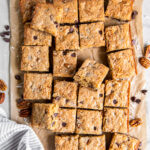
(138, 83)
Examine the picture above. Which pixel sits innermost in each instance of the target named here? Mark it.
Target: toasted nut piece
(147, 51)
(135, 122)
(2, 97)
(144, 62)
(22, 104)
(3, 86)
(25, 113)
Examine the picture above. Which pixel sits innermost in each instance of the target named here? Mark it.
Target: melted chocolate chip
(73, 54)
(100, 95)
(56, 24)
(55, 114)
(138, 101)
(64, 124)
(6, 40)
(35, 37)
(115, 101)
(117, 144)
(57, 98)
(95, 128)
(90, 85)
(88, 142)
(133, 98)
(17, 77)
(6, 27)
(100, 32)
(64, 52)
(71, 30)
(81, 102)
(144, 91)
(67, 100)
(134, 14)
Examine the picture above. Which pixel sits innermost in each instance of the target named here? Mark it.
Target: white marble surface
(4, 54)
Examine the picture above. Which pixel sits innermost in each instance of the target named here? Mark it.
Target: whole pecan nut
(144, 62)
(135, 122)
(2, 97)
(3, 86)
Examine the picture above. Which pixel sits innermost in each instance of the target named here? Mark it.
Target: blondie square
(65, 93)
(91, 74)
(91, 10)
(64, 63)
(37, 86)
(116, 120)
(46, 18)
(122, 141)
(89, 122)
(92, 35)
(92, 142)
(122, 64)
(27, 8)
(70, 10)
(121, 10)
(118, 37)
(91, 99)
(66, 121)
(68, 38)
(34, 37)
(35, 58)
(66, 142)
(117, 93)
(44, 115)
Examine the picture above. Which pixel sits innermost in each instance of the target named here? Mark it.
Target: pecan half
(22, 104)
(147, 51)
(25, 113)
(135, 122)
(3, 86)
(144, 62)
(2, 97)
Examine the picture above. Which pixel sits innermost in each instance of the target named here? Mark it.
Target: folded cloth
(15, 136)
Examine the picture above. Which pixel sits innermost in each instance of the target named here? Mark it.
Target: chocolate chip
(57, 98)
(133, 98)
(64, 52)
(67, 100)
(90, 85)
(56, 24)
(6, 27)
(55, 114)
(100, 32)
(35, 37)
(144, 91)
(117, 144)
(95, 128)
(81, 102)
(100, 95)
(134, 14)
(17, 77)
(115, 101)
(64, 124)
(71, 30)
(133, 42)
(6, 39)
(73, 54)
(138, 101)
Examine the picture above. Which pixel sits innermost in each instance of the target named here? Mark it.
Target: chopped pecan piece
(135, 122)
(3, 86)
(2, 97)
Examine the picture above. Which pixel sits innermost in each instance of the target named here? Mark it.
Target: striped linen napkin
(15, 136)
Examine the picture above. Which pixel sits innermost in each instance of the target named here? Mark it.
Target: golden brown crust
(34, 37)
(37, 86)
(70, 10)
(91, 10)
(35, 58)
(27, 7)
(67, 38)
(121, 10)
(91, 74)
(64, 63)
(92, 35)
(65, 93)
